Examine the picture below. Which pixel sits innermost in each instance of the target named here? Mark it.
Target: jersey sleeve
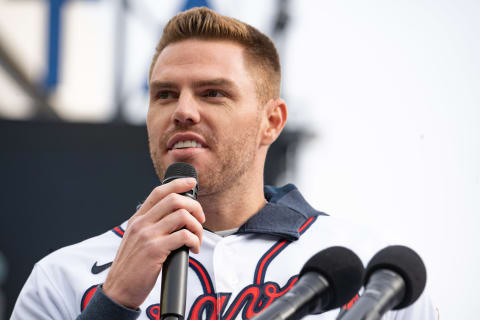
(40, 299)
(102, 307)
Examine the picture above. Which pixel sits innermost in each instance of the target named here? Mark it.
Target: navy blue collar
(284, 214)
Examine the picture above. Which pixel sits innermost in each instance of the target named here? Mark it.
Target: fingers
(174, 223)
(165, 212)
(173, 202)
(182, 237)
(165, 222)
(176, 186)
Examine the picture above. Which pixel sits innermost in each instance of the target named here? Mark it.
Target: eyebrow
(161, 85)
(196, 84)
(214, 82)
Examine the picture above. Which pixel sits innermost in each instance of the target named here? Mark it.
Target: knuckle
(175, 199)
(144, 235)
(184, 235)
(134, 226)
(197, 206)
(154, 249)
(169, 197)
(184, 215)
(132, 220)
(157, 191)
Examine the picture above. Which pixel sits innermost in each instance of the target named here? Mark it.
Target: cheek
(150, 130)
(155, 124)
(149, 121)
(243, 129)
(154, 133)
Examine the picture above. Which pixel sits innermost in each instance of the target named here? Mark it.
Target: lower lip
(185, 152)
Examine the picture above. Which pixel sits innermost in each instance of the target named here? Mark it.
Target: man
(214, 103)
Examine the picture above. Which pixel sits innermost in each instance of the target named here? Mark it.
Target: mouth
(186, 141)
(186, 144)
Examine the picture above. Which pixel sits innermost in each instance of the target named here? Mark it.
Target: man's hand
(165, 222)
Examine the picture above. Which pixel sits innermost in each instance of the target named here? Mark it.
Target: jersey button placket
(222, 268)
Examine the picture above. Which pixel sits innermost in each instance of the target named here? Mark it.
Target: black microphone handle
(174, 285)
(173, 295)
(309, 287)
(384, 291)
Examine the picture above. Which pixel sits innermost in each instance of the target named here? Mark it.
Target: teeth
(186, 144)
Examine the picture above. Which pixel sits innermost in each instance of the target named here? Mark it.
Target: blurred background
(383, 129)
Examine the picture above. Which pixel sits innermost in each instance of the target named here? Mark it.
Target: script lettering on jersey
(249, 302)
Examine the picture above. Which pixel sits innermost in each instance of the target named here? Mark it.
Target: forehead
(201, 59)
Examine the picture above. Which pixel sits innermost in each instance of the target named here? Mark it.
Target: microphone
(175, 268)
(394, 279)
(328, 280)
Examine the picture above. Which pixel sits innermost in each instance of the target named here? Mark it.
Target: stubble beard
(234, 159)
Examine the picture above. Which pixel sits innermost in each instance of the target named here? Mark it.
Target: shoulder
(59, 282)
(328, 231)
(76, 267)
(313, 230)
(103, 246)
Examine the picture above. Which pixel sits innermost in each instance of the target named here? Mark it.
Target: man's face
(204, 110)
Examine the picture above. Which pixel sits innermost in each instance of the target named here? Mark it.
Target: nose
(186, 111)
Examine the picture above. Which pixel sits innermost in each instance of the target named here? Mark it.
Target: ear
(275, 112)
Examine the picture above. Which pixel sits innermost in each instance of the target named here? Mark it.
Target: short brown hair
(206, 24)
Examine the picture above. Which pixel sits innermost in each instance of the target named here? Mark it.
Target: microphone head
(405, 262)
(179, 170)
(343, 270)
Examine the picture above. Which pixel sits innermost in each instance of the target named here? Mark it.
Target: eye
(165, 95)
(213, 94)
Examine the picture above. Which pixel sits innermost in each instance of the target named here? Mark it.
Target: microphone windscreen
(179, 170)
(408, 264)
(343, 270)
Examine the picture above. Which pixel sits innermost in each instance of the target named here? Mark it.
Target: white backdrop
(389, 90)
(393, 90)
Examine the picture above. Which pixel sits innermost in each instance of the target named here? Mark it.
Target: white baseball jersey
(233, 277)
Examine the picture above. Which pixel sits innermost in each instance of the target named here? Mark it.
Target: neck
(232, 207)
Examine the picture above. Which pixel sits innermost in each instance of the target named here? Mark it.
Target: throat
(226, 233)
(227, 214)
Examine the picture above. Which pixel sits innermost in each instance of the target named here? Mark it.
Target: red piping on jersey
(87, 296)
(202, 273)
(266, 259)
(119, 231)
(306, 224)
(270, 254)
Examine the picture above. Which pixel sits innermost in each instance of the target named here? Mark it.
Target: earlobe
(275, 118)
